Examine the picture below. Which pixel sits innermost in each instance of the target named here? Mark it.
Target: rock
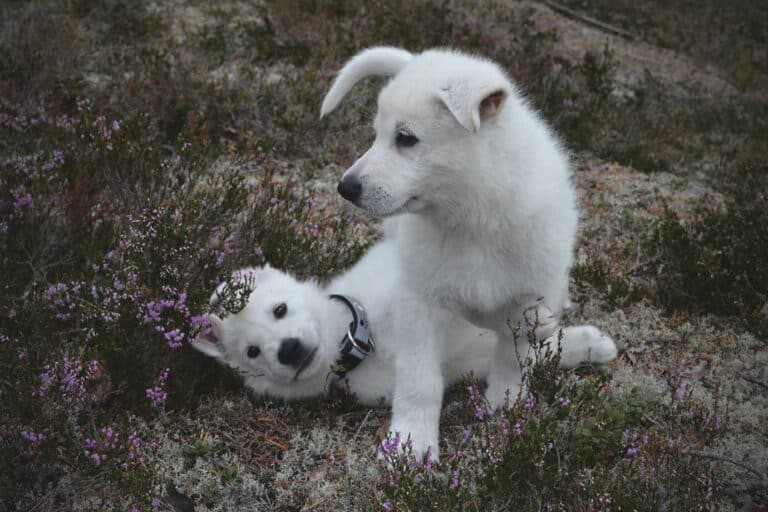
(274, 78)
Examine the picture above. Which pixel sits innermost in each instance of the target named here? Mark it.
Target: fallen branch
(720, 458)
(741, 489)
(589, 20)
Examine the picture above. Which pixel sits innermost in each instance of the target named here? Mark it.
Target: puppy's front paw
(502, 393)
(543, 321)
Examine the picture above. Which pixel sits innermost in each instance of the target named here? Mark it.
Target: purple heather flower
(390, 445)
(21, 198)
(33, 437)
(201, 321)
(157, 394)
(174, 338)
(429, 463)
(530, 401)
(387, 506)
(680, 391)
(455, 479)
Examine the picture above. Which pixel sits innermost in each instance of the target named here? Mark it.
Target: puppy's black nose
(291, 352)
(350, 189)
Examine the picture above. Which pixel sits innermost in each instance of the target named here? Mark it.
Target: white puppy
(491, 218)
(290, 335)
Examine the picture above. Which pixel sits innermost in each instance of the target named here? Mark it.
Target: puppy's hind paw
(602, 349)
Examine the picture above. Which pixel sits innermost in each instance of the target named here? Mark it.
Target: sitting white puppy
(481, 188)
(293, 339)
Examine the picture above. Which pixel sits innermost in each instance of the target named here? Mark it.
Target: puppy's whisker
(246, 373)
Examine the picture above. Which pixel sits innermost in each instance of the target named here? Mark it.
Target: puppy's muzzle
(291, 352)
(350, 189)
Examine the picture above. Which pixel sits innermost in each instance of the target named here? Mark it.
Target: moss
(193, 451)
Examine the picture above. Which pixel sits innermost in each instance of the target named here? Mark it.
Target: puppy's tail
(379, 61)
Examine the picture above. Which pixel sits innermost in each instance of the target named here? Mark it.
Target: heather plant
(714, 260)
(616, 290)
(110, 248)
(570, 442)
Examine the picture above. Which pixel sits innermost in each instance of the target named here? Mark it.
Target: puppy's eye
(280, 310)
(404, 139)
(253, 351)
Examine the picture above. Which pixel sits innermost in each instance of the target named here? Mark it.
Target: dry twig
(720, 458)
(589, 20)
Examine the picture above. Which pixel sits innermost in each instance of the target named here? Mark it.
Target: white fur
(318, 321)
(493, 213)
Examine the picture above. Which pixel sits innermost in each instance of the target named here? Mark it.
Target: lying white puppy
(290, 339)
(490, 213)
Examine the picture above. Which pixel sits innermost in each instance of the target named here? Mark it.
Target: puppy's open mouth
(305, 363)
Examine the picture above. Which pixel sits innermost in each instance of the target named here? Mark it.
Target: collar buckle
(369, 349)
(357, 343)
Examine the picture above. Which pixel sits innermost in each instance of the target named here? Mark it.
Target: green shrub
(716, 261)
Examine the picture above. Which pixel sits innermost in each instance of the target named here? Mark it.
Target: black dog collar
(357, 343)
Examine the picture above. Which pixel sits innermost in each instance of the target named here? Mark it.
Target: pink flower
(390, 444)
(455, 479)
(21, 198)
(157, 394)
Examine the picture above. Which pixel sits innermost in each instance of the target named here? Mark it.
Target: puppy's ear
(379, 61)
(471, 103)
(209, 340)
